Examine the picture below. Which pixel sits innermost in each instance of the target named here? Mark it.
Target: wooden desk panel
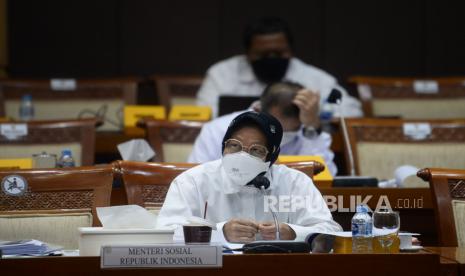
(424, 263)
(450, 255)
(414, 206)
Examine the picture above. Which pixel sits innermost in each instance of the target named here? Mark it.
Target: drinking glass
(386, 224)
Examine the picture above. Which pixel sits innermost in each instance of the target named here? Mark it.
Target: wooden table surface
(424, 263)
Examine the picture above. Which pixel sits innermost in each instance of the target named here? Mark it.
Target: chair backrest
(381, 145)
(53, 203)
(52, 137)
(89, 98)
(409, 98)
(146, 183)
(177, 90)
(448, 193)
(172, 141)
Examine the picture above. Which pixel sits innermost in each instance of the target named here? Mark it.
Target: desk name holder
(161, 256)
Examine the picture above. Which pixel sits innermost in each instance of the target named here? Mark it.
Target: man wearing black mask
(269, 58)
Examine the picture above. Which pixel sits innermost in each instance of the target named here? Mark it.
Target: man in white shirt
(269, 58)
(296, 109)
(238, 186)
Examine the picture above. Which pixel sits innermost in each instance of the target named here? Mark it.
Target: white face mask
(242, 167)
(288, 136)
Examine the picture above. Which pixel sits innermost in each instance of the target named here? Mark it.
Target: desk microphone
(335, 97)
(262, 183)
(277, 246)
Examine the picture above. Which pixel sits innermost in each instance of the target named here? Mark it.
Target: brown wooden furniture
(397, 97)
(172, 141)
(52, 137)
(452, 259)
(103, 98)
(380, 145)
(448, 193)
(51, 199)
(177, 90)
(422, 263)
(146, 184)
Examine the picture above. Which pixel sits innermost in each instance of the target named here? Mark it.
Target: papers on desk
(27, 247)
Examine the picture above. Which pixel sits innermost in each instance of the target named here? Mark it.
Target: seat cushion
(58, 229)
(458, 207)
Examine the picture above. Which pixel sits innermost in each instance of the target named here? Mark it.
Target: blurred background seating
(52, 137)
(54, 203)
(412, 98)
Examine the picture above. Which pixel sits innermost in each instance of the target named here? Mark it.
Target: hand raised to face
(308, 103)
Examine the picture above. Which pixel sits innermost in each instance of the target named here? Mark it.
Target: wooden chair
(448, 194)
(172, 141)
(380, 146)
(146, 184)
(407, 97)
(177, 90)
(52, 137)
(103, 98)
(54, 203)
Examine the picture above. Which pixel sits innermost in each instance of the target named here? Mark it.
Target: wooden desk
(423, 263)
(449, 257)
(414, 206)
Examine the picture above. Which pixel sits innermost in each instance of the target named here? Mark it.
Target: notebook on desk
(229, 104)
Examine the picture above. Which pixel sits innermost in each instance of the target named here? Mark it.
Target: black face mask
(270, 69)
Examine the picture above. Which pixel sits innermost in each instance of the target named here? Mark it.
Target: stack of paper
(26, 247)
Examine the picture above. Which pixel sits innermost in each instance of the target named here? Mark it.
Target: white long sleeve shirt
(207, 146)
(208, 182)
(234, 76)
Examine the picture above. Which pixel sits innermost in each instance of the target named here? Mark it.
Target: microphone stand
(275, 218)
(346, 138)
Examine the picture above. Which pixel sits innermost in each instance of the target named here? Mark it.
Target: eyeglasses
(233, 146)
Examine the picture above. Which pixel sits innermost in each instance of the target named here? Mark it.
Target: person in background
(297, 110)
(268, 58)
(230, 186)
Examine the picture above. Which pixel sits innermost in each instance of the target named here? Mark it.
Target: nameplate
(161, 256)
(190, 113)
(426, 87)
(13, 131)
(63, 84)
(16, 163)
(133, 113)
(417, 131)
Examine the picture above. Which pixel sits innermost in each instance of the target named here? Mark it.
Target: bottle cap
(362, 209)
(27, 97)
(66, 152)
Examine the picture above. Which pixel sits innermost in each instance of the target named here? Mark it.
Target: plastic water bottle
(66, 159)
(362, 230)
(26, 108)
(326, 114)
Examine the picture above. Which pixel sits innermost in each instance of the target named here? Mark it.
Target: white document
(126, 217)
(63, 84)
(426, 87)
(13, 131)
(136, 150)
(417, 131)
